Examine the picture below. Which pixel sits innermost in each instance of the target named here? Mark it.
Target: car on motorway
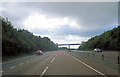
(97, 50)
(38, 52)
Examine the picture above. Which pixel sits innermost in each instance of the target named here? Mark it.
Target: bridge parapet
(68, 45)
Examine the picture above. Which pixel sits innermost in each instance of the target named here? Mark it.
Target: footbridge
(68, 45)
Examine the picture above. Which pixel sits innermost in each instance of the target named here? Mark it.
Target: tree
(109, 40)
(20, 41)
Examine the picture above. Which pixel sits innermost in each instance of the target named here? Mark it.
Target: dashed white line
(21, 64)
(0, 74)
(1, 71)
(12, 67)
(27, 61)
(52, 60)
(89, 66)
(55, 55)
(44, 72)
(4, 62)
(30, 60)
(15, 60)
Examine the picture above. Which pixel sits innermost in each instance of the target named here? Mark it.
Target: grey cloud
(87, 14)
(67, 30)
(15, 12)
(91, 13)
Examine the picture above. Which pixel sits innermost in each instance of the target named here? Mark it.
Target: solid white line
(89, 66)
(11, 67)
(52, 60)
(21, 64)
(44, 72)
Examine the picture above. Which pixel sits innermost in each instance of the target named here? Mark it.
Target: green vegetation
(109, 40)
(16, 41)
(62, 48)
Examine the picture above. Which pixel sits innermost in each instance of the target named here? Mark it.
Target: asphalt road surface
(54, 63)
(108, 59)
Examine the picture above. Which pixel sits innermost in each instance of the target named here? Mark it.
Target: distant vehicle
(38, 52)
(97, 50)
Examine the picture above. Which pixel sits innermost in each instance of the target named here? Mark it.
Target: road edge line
(89, 66)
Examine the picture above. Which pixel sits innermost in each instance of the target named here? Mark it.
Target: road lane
(97, 63)
(64, 64)
(109, 61)
(7, 65)
(56, 63)
(34, 67)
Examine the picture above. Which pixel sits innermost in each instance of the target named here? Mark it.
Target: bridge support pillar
(69, 47)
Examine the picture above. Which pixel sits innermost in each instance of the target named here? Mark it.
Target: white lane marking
(89, 66)
(19, 59)
(1, 71)
(15, 60)
(3, 62)
(27, 61)
(44, 72)
(21, 64)
(12, 67)
(55, 55)
(52, 60)
(30, 60)
(0, 74)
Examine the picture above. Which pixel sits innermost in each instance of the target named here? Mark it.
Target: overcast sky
(63, 22)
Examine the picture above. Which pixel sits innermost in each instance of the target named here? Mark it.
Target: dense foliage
(109, 40)
(17, 41)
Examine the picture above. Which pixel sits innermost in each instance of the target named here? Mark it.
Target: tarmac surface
(54, 64)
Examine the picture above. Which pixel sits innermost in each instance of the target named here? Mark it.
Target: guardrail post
(102, 57)
(118, 60)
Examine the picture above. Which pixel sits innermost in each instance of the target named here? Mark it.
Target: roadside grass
(9, 58)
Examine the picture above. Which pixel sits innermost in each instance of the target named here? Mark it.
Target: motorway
(55, 63)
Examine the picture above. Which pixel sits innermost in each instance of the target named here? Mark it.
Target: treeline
(17, 41)
(109, 40)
